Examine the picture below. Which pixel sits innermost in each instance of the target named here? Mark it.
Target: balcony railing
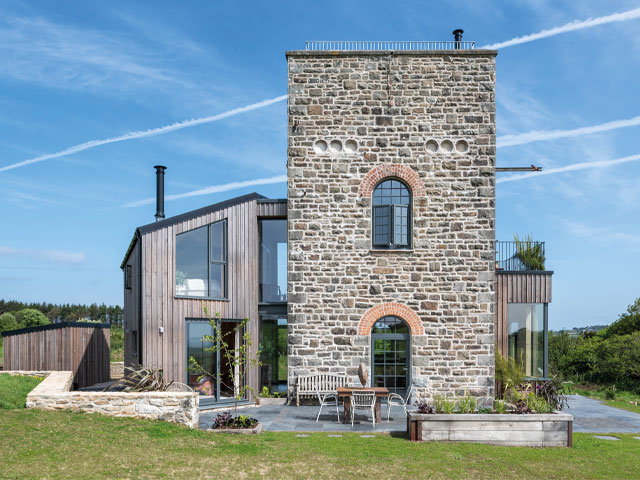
(520, 256)
(337, 45)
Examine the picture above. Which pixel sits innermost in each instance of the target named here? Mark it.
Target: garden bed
(533, 430)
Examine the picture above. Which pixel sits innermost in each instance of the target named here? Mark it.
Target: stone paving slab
(289, 418)
(593, 416)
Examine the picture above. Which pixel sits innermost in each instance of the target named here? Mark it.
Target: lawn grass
(598, 392)
(14, 390)
(46, 444)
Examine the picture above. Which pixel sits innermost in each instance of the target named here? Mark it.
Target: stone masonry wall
(53, 394)
(398, 108)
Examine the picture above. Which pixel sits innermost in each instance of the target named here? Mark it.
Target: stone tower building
(391, 214)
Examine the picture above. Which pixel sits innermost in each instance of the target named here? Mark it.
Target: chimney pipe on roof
(159, 191)
(457, 35)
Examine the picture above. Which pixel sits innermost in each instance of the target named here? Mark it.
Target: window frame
(224, 262)
(390, 244)
(128, 277)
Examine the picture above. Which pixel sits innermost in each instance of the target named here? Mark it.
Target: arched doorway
(390, 359)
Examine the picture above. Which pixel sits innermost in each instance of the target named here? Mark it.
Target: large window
(273, 261)
(391, 215)
(527, 337)
(201, 261)
(273, 352)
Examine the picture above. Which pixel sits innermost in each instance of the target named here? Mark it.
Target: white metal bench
(310, 385)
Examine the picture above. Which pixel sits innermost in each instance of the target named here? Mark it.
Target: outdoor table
(381, 392)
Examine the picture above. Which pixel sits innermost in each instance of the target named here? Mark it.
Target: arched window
(390, 362)
(391, 214)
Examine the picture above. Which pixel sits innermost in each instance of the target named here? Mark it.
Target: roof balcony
(520, 256)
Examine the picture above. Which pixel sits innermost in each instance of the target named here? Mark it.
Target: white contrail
(146, 133)
(213, 189)
(48, 255)
(570, 168)
(569, 27)
(541, 135)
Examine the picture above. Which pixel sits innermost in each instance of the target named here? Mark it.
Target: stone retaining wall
(532, 430)
(53, 393)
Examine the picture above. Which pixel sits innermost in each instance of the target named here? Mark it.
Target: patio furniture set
(330, 389)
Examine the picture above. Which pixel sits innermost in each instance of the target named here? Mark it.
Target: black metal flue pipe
(457, 35)
(159, 191)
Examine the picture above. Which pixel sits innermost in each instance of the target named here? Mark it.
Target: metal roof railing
(336, 45)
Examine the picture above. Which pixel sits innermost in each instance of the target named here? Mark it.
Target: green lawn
(621, 401)
(14, 390)
(76, 445)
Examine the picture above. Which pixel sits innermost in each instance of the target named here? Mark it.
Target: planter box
(272, 401)
(239, 431)
(532, 430)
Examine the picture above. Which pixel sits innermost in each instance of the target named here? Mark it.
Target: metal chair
(396, 399)
(363, 400)
(328, 400)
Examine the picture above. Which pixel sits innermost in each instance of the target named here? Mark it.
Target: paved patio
(592, 416)
(286, 418)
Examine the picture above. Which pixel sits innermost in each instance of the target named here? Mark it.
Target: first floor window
(528, 337)
(391, 214)
(201, 261)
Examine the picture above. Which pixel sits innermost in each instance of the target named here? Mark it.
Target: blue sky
(72, 72)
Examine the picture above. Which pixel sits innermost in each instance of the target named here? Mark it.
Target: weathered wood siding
(272, 209)
(83, 349)
(518, 287)
(160, 307)
(131, 308)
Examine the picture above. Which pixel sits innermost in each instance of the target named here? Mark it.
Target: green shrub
(509, 372)
(444, 405)
(500, 406)
(610, 392)
(529, 253)
(8, 322)
(30, 317)
(467, 404)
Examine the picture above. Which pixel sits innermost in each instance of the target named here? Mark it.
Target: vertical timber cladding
(161, 308)
(518, 287)
(392, 104)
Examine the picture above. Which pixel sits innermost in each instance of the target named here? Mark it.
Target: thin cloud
(569, 27)
(571, 168)
(213, 189)
(145, 133)
(542, 135)
(47, 255)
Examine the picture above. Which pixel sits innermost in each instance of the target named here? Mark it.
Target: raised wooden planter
(532, 430)
(239, 431)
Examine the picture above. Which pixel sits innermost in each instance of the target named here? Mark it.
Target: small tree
(29, 317)
(239, 360)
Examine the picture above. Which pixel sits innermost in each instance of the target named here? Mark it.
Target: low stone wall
(53, 393)
(117, 370)
(533, 430)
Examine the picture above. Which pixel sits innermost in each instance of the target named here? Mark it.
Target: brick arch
(402, 172)
(374, 314)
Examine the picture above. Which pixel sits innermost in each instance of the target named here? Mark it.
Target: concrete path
(592, 416)
(285, 418)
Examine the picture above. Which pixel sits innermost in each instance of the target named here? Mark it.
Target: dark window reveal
(201, 262)
(391, 215)
(134, 343)
(127, 277)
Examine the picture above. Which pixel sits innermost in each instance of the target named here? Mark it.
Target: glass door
(214, 380)
(273, 352)
(390, 341)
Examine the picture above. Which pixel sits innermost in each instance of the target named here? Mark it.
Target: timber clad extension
(161, 331)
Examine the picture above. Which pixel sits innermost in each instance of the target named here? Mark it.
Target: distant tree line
(55, 313)
(610, 356)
